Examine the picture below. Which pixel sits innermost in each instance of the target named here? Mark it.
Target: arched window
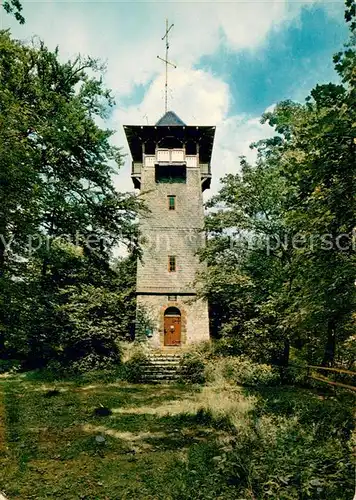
(172, 311)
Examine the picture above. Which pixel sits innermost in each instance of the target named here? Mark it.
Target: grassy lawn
(49, 449)
(156, 443)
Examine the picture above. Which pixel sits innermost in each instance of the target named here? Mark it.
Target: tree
(60, 213)
(14, 7)
(297, 284)
(249, 273)
(319, 163)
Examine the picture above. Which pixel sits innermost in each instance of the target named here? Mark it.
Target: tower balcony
(170, 157)
(205, 175)
(136, 171)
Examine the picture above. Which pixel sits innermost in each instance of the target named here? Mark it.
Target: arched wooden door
(172, 326)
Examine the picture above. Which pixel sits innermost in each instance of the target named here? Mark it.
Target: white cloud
(128, 36)
(232, 140)
(201, 99)
(198, 97)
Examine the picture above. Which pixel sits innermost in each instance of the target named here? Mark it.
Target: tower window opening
(171, 202)
(172, 298)
(171, 174)
(172, 263)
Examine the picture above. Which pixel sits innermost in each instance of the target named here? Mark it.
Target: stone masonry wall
(178, 233)
(170, 232)
(194, 317)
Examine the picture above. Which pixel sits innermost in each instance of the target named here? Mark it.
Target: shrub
(226, 346)
(93, 362)
(296, 374)
(136, 357)
(283, 459)
(241, 370)
(192, 368)
(134, 349)
(9, 365)
(205, 349)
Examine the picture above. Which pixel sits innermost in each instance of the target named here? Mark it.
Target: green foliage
(134, 366)
(144, 325)
(61, 216)
(243, 371)
(192, 367)
(294, 449)
(227, 346)
(14, 7)
(283, 460)
(89, 325)
(9, 365)
(281, 240)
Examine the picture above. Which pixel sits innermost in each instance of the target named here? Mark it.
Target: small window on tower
(171, 202)
(172, 263)
(172, 298)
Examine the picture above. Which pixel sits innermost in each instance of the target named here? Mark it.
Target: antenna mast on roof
(166, 63)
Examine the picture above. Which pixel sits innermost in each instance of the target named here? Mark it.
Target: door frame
(172, 312)
(183, 319)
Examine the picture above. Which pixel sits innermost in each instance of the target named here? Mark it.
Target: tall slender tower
(171, 167)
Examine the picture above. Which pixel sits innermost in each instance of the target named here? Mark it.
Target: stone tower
(171, 167)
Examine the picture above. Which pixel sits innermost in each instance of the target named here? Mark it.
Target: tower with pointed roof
(171, 168)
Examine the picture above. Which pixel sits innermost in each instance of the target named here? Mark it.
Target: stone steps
(161, 368)
(161, 363)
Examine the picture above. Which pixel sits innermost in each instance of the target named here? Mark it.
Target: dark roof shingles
(170, 119)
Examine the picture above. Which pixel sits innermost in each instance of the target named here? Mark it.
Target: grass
(170, 442)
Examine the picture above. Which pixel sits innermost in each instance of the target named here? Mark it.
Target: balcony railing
(170, 156)
(192, 161)
(149, 160)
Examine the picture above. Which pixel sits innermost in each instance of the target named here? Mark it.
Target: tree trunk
(285, 354)
(330, 347)
(45, 259)
(2, 259)
(3, 295)
(283, 362)
(3, 239)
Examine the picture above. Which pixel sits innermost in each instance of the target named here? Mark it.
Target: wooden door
(172, 330)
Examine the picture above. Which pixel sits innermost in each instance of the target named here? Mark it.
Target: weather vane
(166, 62)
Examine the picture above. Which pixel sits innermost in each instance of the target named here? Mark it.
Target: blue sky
(235, 59)
(287, 66)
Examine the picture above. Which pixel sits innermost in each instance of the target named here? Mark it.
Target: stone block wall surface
(167, 233)
(177, 233)
(194, 317)
(189, 211)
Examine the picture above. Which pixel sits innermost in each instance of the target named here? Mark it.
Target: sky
(235, 59)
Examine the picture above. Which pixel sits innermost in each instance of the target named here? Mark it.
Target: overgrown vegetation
(171, 442)
(281, 247)
(280, 283)
(63, 301)
(192, 368)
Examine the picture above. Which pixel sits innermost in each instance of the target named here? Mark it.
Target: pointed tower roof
(170, 119)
